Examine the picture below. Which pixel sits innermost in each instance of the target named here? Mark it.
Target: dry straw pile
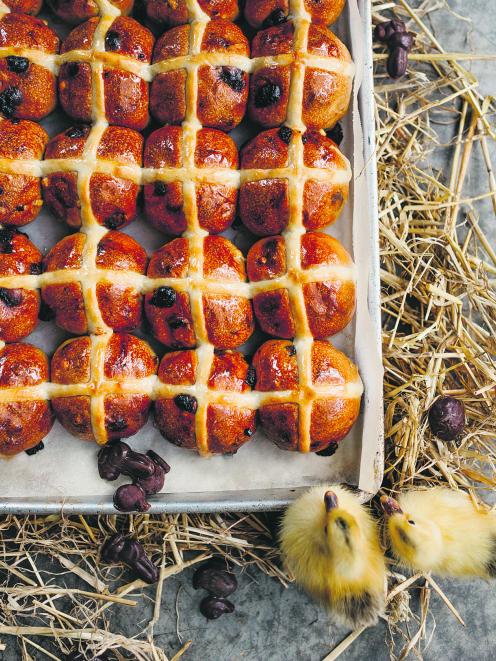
(439, 305)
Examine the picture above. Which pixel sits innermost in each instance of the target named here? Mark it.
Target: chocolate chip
(35, 269)
(275, 18)
(6, 241)
(114, 221)
(251, 377)
(73, 69)
(336, 133)
(159, 188)
(46, 313)
(186, 403)
(163, 297)
(117, 424)
(285, 133)
(112, 40)
(176, 322)
(20, 207)
(291, 349)
(233, 77)
(267, 95)
(10, 98)
(36, 449)
(76, 132)
(329, 450)
(11, 297)
(17, 64)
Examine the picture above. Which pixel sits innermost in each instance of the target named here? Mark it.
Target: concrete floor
(276, 624)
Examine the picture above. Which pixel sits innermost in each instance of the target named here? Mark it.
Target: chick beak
(330, 500)
(390, 506)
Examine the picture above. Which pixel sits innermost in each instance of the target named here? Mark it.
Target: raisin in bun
(104, 399)
(116, 302)
(19, 306)
(20, 194)
(326, 280)
(177, 12)
(23, 422)
(77, 11)
(125, 92)
(266, 13)
(274, 158)
(325, 65)
(213, 173)
(306, 418)
(27, 88)
(217, 423)
(113, 199)
(219, 93)
(213, 307)
(24, 6)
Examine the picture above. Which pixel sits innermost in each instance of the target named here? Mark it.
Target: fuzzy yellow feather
(442, 531)
(330, 542)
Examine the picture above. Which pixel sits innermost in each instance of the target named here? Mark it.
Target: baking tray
(259, 477)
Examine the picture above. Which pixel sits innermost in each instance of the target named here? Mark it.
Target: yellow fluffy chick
(441, 531)
(331, 544)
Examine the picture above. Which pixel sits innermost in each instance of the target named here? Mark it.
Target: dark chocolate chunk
(233, 77)
(267, 95)
(285, 134)
(163, 297)
(186, 403)
(17, 64)
(36, 449)
(10, 98)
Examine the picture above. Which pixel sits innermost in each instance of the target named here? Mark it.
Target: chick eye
(342, 524)
(411, 522)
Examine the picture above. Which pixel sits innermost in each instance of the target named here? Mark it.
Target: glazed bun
(125, 92)
(180, 318)
(213, 173)
(219, 93)
(266, 13)
(177, 12)
(326, 278)
(326, 84)
(98, 369)
(24, 6)
(27, 89)
(20, 194)
(218, 423)
(306, 418)
(275, 157)
(19, 306)
(77, 11)
(113, 199)
(117, 301)
(23, 422)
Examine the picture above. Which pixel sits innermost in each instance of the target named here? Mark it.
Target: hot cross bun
(212, 423)
(117, 55)
(24, 6)
(77, 11)
(281, 168)
(266, 13)
(302, 76)
(168, 203)
(178, 12)
(107, 395)
(117, 293)
(201, 77)
(24, 422)
(213, 307)
(20, 194)
(326, 279)
(27, 67)
(19, 306)
(310, 406)
(112, 196)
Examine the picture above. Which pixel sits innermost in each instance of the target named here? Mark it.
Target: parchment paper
(67, 466)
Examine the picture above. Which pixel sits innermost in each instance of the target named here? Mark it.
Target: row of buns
(203, 70)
